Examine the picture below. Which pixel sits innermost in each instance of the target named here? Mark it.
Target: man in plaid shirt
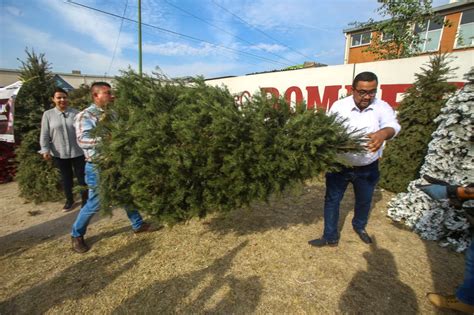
(85, 122)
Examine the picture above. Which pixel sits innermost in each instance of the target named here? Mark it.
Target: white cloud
(179, 49)
(63, 56)
(102, 29)
(208, 70)
(269, 47)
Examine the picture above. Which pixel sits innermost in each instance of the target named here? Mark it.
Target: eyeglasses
(363, 93)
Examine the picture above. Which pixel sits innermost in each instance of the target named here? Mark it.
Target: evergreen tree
(34, 96)
(37, 179)
(404, 155)
(80, 98)
(178, 150)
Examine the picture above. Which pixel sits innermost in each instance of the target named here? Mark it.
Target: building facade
(76, 79)
(455, 34)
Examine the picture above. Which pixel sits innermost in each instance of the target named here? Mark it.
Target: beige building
(74, 79)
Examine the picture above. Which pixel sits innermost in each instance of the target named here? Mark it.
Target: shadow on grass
(212, 289)
(304, 205)
(84, 279)
(378, 289)
(17, 242)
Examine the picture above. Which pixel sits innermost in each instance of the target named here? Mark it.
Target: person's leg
(91, 207)
(134, 217)
(364, 184)
(336, 185)
(79, 164)
(65, 168)
(465, 293)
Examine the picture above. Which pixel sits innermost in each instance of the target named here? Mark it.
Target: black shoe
(364, 236)
(68, 205)
(320, 242)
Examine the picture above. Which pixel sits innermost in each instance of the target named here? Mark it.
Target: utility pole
(140, 37)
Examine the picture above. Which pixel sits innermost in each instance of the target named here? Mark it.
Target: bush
(404, 155)
(37, 179)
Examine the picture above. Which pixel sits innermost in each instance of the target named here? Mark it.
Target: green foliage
(37, 179)
(400, 16)
(295, 67)
(34, 96)
(404, 155)
(80, 98)
(177, 150)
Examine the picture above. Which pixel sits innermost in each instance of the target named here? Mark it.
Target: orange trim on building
(449, 32)
(446, 45)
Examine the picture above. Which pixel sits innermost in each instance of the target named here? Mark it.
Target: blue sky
(230, 37)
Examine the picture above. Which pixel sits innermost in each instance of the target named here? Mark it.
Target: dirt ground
(253, 260)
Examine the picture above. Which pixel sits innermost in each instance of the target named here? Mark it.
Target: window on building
(465, 36)
(387, 37)
(430, 34)
(360, 39)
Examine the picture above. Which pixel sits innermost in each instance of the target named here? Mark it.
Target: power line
(249, 61)
(229, 33)
(177, 34)
(257, 29)
(118, 37)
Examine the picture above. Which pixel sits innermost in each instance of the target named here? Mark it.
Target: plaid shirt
(85, 122)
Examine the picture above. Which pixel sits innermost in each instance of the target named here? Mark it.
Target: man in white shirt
(376, 118)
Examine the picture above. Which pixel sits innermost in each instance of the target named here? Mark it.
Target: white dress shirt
(376, 116)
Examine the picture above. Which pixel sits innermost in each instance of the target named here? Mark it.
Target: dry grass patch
(252, 260)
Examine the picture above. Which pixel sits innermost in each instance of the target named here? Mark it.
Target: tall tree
(34, 96)
(38, 180)
(395, 36)
(80, 98)
(422, 104)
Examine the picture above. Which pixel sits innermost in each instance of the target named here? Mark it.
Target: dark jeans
(364, 179)
(66, 167)
(465, 292)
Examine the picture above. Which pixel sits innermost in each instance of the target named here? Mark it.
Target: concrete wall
(322, 86)
(8, 76)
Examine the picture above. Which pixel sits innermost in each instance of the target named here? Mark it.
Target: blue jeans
(465, 293)
(363, 179)
(92, 206)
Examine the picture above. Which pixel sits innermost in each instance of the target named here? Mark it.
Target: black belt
(371, 165)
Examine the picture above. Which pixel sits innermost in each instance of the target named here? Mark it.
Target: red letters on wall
(331, 94)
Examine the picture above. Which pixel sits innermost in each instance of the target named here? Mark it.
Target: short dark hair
(366, 76)
(100, 84)
(57, 89)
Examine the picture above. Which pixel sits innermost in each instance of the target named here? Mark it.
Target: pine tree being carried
(178, 150)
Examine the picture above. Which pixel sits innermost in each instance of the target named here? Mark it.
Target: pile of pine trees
(404, 155)
(38, 180)
(450, 158)
(177, 150)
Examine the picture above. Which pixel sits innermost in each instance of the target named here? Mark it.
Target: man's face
(364, 93)
(103, 96)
